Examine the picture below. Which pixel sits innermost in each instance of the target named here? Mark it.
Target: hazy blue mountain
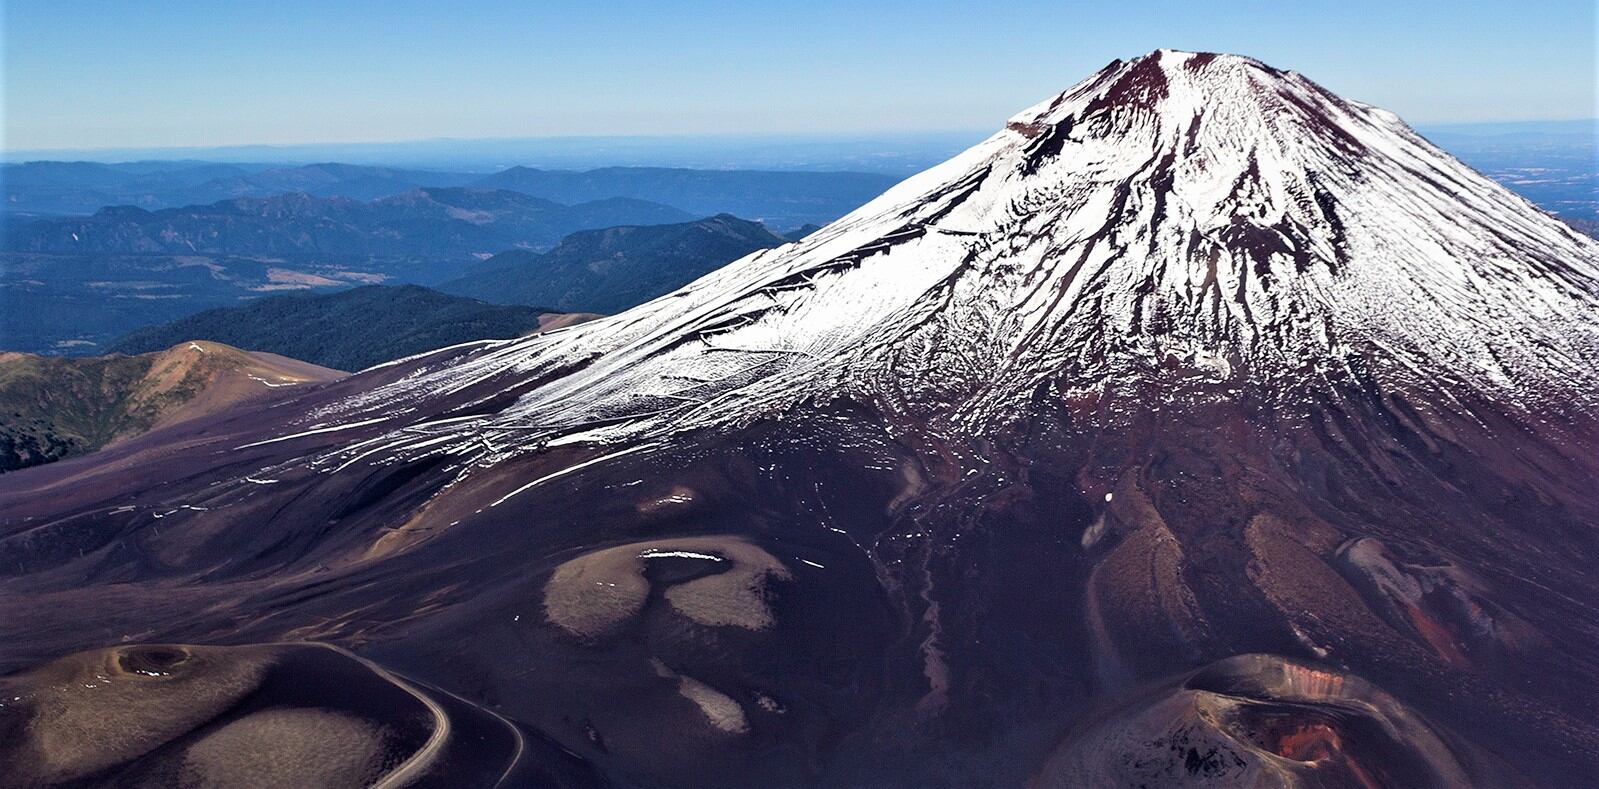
(84, 187)
(900, 153)
(612, 269)
(74, 303)
(64, 174)
(330, 180)
(349, 330)
(378, 169)
(779, 199)
(445, 223)
(69, 284)
(1555, 164)
(783, 199)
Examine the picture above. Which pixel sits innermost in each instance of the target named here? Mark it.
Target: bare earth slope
(54, 407)
(1199, 428)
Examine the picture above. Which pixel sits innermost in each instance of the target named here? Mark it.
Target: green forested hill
(349, 330)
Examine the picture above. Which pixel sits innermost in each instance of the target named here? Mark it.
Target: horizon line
(863, 136)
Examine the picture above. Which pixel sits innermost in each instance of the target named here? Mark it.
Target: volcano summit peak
(1181, 215)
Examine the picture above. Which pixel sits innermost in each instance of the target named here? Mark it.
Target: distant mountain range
(778, 199)
(136, 268)
(434, 222)
(898, 153)
(84, 187)
(54, 408)
(332, 179)
(1554, 163)
(781, 199)
(352, 329)
(74, 303)
(615, 268)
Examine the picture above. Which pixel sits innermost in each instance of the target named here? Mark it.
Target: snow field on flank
(1209, 208)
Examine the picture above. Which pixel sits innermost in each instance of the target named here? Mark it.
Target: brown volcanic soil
(267, 715)
(55, 407)
(931, 611)
(551, 321)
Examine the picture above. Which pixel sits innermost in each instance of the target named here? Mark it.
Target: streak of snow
(331, 429)
(569, 469)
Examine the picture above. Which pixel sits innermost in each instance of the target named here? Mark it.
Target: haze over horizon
(180, 75)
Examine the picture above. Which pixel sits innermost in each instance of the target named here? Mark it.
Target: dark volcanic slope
(349, 330)
(1200, 428)
(616, 268)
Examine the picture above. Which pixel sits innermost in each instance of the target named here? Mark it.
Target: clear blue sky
(103, 74)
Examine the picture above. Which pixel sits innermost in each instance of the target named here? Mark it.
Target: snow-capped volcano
(1197, 211)
(1198, 428)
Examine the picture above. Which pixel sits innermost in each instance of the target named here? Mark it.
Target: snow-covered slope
(1198, 212)
(1198, 426)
